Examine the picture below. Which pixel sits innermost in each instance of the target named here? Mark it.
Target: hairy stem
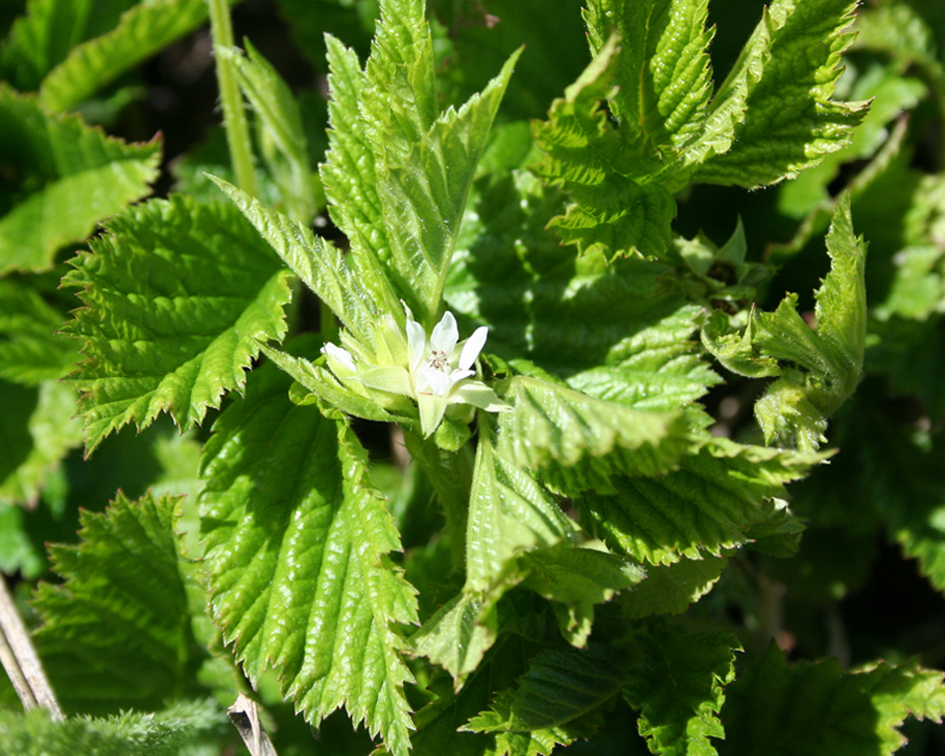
(234, 116)
(450, 473)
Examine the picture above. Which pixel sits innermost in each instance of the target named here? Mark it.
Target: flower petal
(416, 344)
(445, 334)
(436, 380)
(472, 347)
(339, 360)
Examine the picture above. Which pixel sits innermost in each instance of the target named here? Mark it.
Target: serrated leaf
(711, 503)
(820, 708)
(167, 328)
(509, 513)
(620, 332)
(578, 442)
(671, 588)
(118, 632)
(773, 116)
(613, 213)
(663, 76)
(30, 349)
(819, 367)
(412, 166)
(37, 431)
(677, 685)
(42, 38)
(183, 728)
(296, 543)
(456, 637)
(143, 30)
(357, 300)
(71, 177)
(558, 687)
(282, 139)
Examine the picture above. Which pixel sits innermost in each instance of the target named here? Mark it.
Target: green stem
(450, 473)
(234, 116)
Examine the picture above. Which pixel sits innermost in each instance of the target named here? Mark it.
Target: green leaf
(620, 332)
(43, 37)
(711, 503)
(281, 136)
(183, 728)
(30, 349)
(818, 707)
(773, 116)
(614, 211)
(118, 632)
(457, 636)
(37, 430)
(671, 588)
(819, 367)
(166, 326)
(663, 75)
(297, 544)
(578, 442)
(677, 685)
(69, 175)
(357, 300)
(412, 166)
(509, 513)
(558, 687)
(143, 30)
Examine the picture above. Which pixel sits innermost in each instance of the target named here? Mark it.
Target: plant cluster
(460, 405)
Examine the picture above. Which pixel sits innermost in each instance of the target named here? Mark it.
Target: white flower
(436, 373)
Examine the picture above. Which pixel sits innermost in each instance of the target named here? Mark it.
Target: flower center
(438, 360)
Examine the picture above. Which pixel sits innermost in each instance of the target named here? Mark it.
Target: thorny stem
(234, 116)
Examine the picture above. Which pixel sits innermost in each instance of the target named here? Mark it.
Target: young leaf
(614, 211)
(819, 369)
(296, 543)
(183, 728)
(72, 177)
(509, 513)
(142, 31)
(579, 442)
(677, 685)
(282, 139)
(773, 116)
(711, 503)
(30, 349)
(37, 430)
(820, 708)
(663, 75)
(118, 632)
(357, 297)
(422, 163)
(166, 326)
